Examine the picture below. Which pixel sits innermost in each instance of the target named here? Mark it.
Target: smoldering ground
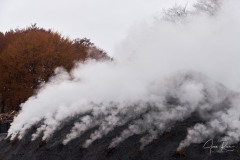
(184, 63)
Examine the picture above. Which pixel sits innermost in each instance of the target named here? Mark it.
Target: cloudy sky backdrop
(105, 22)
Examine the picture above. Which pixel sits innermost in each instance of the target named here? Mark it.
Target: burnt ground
(163, 148)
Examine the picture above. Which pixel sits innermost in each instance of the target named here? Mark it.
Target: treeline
(28, 58)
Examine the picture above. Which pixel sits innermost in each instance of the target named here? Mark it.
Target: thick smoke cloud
(185, 62)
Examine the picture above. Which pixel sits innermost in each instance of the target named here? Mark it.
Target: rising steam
(185, 62)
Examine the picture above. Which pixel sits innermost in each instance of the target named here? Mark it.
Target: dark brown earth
(163, 148)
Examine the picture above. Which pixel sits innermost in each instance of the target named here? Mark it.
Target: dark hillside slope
(162, 148)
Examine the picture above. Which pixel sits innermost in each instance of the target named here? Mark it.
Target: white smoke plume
(186, 61)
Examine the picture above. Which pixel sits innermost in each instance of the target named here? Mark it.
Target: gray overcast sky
(105, 22)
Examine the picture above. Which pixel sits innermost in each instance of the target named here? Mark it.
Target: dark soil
(163, 148)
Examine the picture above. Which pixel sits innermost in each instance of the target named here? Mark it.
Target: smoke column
(188, 55)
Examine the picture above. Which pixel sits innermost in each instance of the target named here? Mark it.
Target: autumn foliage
(28, 58)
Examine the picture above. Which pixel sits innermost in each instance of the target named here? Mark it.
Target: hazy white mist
(193, 58)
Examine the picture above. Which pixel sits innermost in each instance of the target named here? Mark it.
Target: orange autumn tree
(28, 58)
